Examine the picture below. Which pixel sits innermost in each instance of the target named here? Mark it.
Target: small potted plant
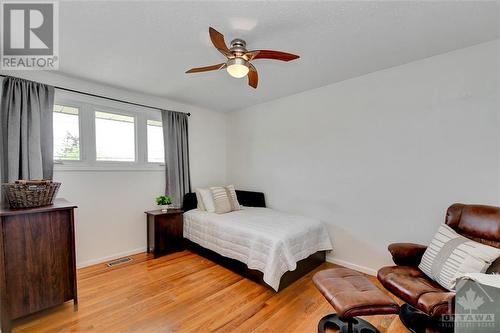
(163, 202)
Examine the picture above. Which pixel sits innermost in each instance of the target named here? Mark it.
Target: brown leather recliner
(426, 301)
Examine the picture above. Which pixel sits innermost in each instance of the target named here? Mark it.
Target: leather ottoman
(351, 294)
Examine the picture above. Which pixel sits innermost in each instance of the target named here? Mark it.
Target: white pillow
(492, 280)
(199, 200)
(450, 255)
(207, 199)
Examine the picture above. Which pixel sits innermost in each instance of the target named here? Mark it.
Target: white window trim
(137, 158)
(146, 143)
(81, 144)
(87, 106)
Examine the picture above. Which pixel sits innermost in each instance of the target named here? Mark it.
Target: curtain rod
(100, 96)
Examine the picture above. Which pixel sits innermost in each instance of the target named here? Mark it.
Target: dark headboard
(245, 198)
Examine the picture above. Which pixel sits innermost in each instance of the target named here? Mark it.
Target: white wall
(110, 220)
(380, 157)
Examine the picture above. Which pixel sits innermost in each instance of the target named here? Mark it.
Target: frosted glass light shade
(237, 67)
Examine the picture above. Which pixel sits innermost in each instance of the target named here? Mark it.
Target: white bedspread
(264, 239)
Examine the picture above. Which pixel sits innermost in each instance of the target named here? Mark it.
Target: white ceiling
(147, 46)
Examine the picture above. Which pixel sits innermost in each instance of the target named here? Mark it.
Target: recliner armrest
(406, 254)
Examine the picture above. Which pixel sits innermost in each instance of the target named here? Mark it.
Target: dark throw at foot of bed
(304, 266)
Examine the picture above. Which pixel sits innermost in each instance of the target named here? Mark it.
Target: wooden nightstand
(164, 231)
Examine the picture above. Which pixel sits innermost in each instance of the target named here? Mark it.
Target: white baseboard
(111, 257)
(329, 258)
(359, 268)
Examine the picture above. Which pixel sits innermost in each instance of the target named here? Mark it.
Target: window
(156, 153)
(101, 135)
(115, 137)
(66, 133)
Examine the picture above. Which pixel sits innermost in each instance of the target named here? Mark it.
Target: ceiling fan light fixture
(237, 67)
(238, 58)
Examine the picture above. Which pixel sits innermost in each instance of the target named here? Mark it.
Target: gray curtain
(175, 134)
(1, 147)
(26, 130)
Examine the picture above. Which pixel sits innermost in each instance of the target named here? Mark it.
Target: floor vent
(118, 262)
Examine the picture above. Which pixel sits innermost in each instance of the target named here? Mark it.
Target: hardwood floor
(184, 292)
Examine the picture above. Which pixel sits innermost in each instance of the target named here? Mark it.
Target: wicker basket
(30, 193)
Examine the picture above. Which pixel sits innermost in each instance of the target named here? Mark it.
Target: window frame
(80, 143)
(119, 113)
(147, 146)
(87, 106)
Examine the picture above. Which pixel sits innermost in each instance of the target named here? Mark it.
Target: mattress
(264, 239)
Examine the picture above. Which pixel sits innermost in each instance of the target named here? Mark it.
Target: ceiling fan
(238, 62)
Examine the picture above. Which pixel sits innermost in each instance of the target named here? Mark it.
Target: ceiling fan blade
(251, 55)
(253, 77)
(218, 41)
(206, 68)
(275, 55)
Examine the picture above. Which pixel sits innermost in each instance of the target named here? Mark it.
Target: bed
(265, 245)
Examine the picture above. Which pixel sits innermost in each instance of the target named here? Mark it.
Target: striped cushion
(221, 200)
(450, 255)
(235, 205)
